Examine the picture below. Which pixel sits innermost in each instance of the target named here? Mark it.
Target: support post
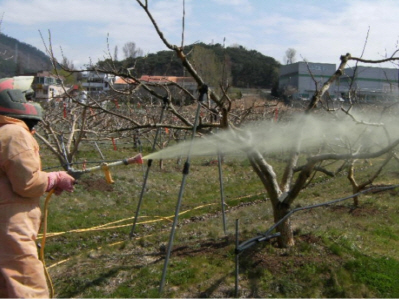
(68, 163)
(203, 91)
(149, 163)
(222, 192)
(237, 262)
(101, 154)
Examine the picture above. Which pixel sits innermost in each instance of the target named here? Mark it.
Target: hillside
(18, 58)
(248, 68)
(244, 68)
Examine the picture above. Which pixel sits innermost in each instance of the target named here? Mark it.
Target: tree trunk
(286, 238)
(269, 179)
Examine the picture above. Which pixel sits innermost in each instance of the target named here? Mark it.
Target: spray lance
(76, 174)
(105, 168)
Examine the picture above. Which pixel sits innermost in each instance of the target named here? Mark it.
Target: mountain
(18, 58)
(244, 68)
(247, 68)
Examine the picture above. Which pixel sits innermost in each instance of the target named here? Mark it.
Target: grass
(340, 251)
(379, 274)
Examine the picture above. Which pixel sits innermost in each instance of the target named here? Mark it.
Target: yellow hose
(43, 243)
(100, 227)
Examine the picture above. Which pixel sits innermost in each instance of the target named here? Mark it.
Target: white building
(47, 87)
(97, 82)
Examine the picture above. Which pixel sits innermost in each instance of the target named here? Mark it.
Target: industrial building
(370, 84)
(299, 81)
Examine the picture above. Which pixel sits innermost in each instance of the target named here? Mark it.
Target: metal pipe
(203, 91)
(265, 236)
(68, 164)
(77, 173)
(101, 154)
(237, 262)
(149, 163)
(222, 191)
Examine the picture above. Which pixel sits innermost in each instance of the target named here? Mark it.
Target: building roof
(165, 79)
(47, 74)
(120, 80)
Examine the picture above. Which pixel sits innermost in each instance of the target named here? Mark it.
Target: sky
(319, 30)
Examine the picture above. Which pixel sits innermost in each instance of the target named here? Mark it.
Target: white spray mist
(337, 132)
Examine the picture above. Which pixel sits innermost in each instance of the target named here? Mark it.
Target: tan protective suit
(22, 183)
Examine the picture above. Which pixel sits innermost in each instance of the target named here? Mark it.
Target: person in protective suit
(22, 183)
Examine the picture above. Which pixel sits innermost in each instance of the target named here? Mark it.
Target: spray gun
(105, 168)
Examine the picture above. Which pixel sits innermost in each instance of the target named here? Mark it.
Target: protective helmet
(13, 94)
(13, 103)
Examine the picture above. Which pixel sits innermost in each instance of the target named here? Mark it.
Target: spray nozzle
(136, 159)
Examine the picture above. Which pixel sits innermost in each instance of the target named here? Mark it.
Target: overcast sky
(320, 31)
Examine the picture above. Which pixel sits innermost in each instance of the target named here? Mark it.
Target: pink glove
(60, 181)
